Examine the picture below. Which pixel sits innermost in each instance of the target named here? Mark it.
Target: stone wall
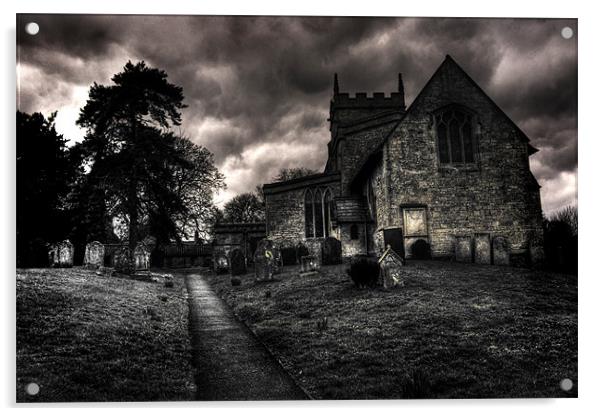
(285, 212)
(498, 195)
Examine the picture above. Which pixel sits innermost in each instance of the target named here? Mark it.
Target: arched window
(319, 211)
(328, 208)
(353, 232)
(309, 213)
(455, 136)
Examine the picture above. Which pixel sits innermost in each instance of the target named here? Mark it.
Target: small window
(455, 138)
(353, 232)
(327, 207)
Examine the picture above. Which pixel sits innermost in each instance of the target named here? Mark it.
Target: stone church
(445, 177)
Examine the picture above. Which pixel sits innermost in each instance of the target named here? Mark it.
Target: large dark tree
(44, 172)
(147, 176)
(245, 208)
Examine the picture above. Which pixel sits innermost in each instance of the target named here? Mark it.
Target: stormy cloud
(258, 88)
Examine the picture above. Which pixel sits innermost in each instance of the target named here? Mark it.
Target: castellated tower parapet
(347, 108)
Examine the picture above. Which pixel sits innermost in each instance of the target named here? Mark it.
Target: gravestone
(61, 254)
(331, 251)
(141, 257)
(501, 254)
(391, 269)
(266, 261)
(302, 251)
(220, 262)
(482, 249)
(122, 261)
(309, 265)
(314, 247)
(464, 249)
(94, 255)
(237, 262)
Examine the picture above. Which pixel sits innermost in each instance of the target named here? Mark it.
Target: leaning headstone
(122, 261)
(482, 249)
(265, 261)
(501, 254)
(141, 257)
(238, 264)
(331, 251)
(94, 255)
(391, 269)
(61, 254)
(464, 249)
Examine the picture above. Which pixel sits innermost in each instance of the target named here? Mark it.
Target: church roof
(351, 209)
(448, 60)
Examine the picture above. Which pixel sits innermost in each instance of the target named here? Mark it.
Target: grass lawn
(454, 331)
(84, 337)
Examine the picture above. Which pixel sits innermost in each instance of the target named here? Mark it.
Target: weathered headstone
(237, 262)
(309, 265)
(220, 262)
(122, 261)
(331, 251)
(302, 251)
(464, 249)
(94, 255)
(61, 254)
(501, 254)
(141, 257)
(314, 246)
(391, 269)
(266, 260)
(482, 249)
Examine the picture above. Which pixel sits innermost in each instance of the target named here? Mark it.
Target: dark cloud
(259, 83)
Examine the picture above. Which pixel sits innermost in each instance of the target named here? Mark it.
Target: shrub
(364, 271)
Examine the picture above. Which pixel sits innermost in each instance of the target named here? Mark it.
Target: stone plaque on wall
(482, 249)
(94, 255)
(415, 221)
(501, 253)
(464, 249)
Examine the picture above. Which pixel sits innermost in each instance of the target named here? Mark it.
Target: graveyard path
(230, 363)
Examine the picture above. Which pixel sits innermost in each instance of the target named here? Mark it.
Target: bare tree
(567, 215)
(286, 174)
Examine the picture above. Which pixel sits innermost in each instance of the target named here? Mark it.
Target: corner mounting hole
(566, 32)
(32, 389)
(32, 28)
(566, 384)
